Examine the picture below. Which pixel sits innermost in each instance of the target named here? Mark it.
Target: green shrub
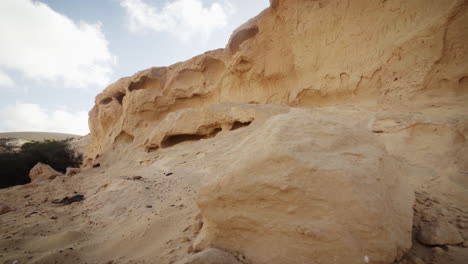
(15, 166)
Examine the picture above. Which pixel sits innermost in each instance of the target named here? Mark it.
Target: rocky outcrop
(43, 171)
(300, 53)
(310, 187)
(328, 185)
(194, 124)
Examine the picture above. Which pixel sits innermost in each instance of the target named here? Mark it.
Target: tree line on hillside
(15, 166)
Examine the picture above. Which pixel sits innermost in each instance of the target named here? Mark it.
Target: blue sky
(56, 55)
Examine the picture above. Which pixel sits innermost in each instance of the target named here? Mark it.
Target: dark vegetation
(15, 166)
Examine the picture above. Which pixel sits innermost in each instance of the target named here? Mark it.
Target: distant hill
(38, 136)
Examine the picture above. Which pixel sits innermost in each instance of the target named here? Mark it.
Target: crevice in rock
(106, 100)
(119, 96)
(239, 124)
(172, 140)
(151, 148)
(463, 80)
(124, 137)
(137, 85)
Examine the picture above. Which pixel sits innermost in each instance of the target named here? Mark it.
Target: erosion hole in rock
(239, 124)
(173, 140)
(187, 78)
(241, 36)
(119, 96)
(124, 137)
(212, 68)
(137, 85)
(144, 83)
(151, 148)
(88, 162)
(463, 80)
(462, 85)
(106, 100)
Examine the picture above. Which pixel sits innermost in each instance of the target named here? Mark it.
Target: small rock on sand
(439, 232)
(72, 171)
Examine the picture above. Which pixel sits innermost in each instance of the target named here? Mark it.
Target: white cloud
(32, 117)
(47, 46)
(182, 18)
(5, 80)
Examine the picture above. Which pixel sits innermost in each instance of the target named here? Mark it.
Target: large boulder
(43, 171)
(310, 187)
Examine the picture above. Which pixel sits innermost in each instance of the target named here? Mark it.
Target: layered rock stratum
(378, 54)
(325, 132)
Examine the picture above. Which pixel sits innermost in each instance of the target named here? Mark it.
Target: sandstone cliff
(325, 132)
(401, 59)
(301, 53)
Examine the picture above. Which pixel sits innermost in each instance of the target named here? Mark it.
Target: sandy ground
(123, 220)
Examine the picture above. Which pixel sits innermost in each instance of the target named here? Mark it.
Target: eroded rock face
(315, 186)
(200, 123)
(300, 53)
(325, 186)
(43, 171)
